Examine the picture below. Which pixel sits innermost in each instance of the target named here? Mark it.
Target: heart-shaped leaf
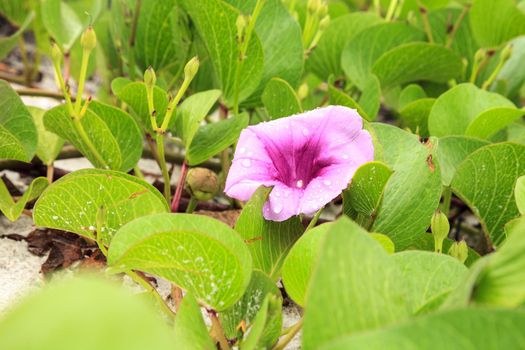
(343, 295)
(219, 34)
(360, 54)
(489, 122)
(414, 115)
(268, 241)
(325, 59)
(18, 136)
(73, 202)
(215, 137)
(280, 99)
(112, 132)
(417, 61)
(485, 182)
(13, 210)
(200, 254)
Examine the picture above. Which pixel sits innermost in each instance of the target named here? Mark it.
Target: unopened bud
(506, 53)
(202, 183)
(191, 68)
(313, 6)
(149, 77)
(459, 250)
(56, 54)
(88, 40)
(241, 25)
(440, 228)
(480, 55)
(325, 22)
(303, 91)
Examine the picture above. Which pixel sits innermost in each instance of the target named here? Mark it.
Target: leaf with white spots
(268, 241)
(72, 203)
(247, 307)
(197, 253)
(266, 327)
(485, 181)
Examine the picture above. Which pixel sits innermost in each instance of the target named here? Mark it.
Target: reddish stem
(180, 186)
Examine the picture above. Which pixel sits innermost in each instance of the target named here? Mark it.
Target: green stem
(138, 279)
(242, 52)
(163, 166)
(391, 10)
(62, 84)
(137, 172)
(82, 79)
(447, 198)
(377, 7)
(289, 335)
(314, 219)
(131, 42)
(84, 136)
(173, 104)
(25, 61)
(192, 205)
(426, 23)
(455, 28)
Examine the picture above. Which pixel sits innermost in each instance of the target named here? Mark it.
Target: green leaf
(266, 327)
(338, 97)
(191, 113)
(485, 182)
(281, 41)
(200, 254)
(215, 137)
(489, 122)
(365, 48)
(343, 294)
(72, 203)
(511, 73)
(411, 93)
(215, 23)
(163, 37)
(430, 276)
(451, 151)
(370, 98)
(8, 43)
(413, 191)
(113, 133)
(134, 94)
(268, 241)
(49, 144)
(519, 194)
(189, 330)
(300, 262)
(13, 210)
(495, 22)
(414, 115)
(365, 192)
(453, 111)
(60, 315)
(246, 308)
(325, 59)
(417, 61)
(462, 329)
(14, 11)
(280, 99)
(18, 136)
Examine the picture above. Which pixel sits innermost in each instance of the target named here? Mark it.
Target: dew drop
(299, 184)
(306, 132)
(327, 182)
(242, 150)
(277, 208)
(345, 156)
(55, 217)
(246, 163)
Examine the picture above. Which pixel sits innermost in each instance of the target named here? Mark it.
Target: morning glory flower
(308, 158)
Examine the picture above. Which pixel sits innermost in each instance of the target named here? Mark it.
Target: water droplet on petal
(277, 208)
(246, 163)
(277, 194)
(345, 156)
(299, 184)
(327, 182)
(306, 132)
(242, 150)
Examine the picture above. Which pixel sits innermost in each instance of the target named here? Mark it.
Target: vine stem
(192, 204)
(180, 185)
(291, 333)
(391, 10)
(146, 285)
(82, 79)
(50, 171)
(314, 220)
(163, 166)
(455, 28)
(217, 330)
(131, 42)
(426, 23)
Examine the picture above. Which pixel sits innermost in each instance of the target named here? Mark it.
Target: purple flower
(308, 158)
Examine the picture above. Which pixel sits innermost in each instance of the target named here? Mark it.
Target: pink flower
(308, 158)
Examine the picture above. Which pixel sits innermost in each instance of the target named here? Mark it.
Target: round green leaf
(73, 202)
(414, 115)
(200, 254)
(280, 99)
(49, 144)
(488, 123)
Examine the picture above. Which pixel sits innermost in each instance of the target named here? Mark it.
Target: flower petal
(283, 203)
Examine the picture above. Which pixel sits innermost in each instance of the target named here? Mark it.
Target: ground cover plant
(363, 160)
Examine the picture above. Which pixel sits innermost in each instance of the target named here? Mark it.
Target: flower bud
(241, 25)
(440, 228)
(313, 6)
(191, 68)
(506, 53)
(202, 183)
(88, 40)
(302, 93)
(149, 77)
(459, 250)
(480, 55)
(56, 54)
(325, 22)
